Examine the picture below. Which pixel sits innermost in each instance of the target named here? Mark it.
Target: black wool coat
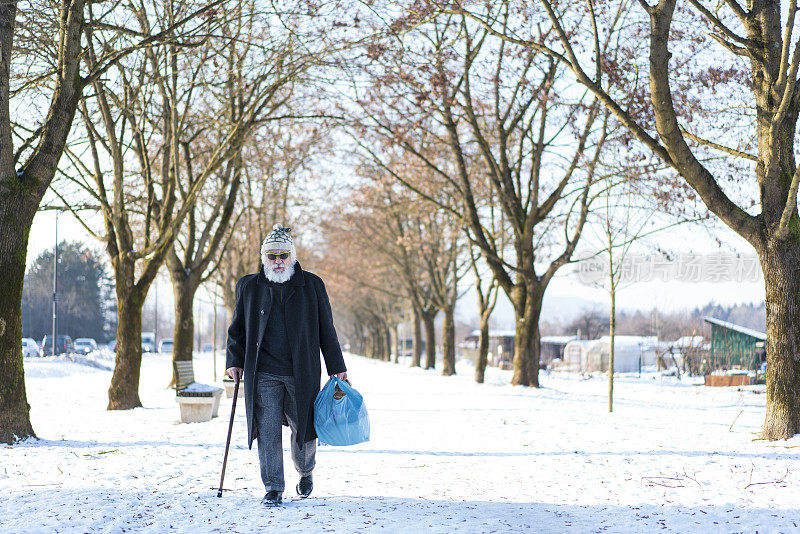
(309, 328)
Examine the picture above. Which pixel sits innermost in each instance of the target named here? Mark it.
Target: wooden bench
(198, 402)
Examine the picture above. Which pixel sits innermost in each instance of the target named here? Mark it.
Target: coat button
(262, 312)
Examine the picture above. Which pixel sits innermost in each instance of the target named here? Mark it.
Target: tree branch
(165, 34)
(790, 207)
(732, 48)
(747, 43)
(668, 128)
(787, 43)
(722, 148)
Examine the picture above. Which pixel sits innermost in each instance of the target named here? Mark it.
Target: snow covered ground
(446, 455)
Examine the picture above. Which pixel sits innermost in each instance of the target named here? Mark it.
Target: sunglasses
(273, 257)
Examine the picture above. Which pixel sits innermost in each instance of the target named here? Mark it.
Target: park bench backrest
(184, 374)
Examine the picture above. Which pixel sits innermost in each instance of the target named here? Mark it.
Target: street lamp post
(55, 287)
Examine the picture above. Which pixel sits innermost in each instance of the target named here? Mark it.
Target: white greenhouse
(631, 353)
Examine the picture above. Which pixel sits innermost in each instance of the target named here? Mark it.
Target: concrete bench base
(199, 409)
(229, 386)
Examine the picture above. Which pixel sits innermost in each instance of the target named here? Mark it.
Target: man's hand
(235, 372)
(341, 376)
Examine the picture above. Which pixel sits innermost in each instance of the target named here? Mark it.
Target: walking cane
(230, 429)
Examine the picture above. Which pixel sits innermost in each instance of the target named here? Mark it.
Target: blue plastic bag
(340, 417)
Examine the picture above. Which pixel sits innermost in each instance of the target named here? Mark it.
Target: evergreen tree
(84, 287)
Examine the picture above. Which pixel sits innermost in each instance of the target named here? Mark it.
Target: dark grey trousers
(275, 397)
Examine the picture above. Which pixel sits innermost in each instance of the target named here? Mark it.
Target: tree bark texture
(15, 421)
(449, 343)
(527, 343)
(781, 266)
(20, 194)
(184, 289)
(778, 248)
(123, 394)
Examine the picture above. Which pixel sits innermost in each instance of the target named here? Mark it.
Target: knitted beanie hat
(278, 239)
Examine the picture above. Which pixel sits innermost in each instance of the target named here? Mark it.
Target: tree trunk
(428, 317)
(184, 289)
(377, 335)
(397, 344)
(611, 330)
(526, 340)
(369, 348)
(357, 341)
(483, 349)
(387, 338)
(123, 394)
(20, 194)
(416, 357)
(15, 423)
(781, 266)
(449, 343)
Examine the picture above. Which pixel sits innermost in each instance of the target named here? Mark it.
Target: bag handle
(340, 392)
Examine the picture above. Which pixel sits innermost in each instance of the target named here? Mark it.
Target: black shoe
(305, 486)
(272, 498)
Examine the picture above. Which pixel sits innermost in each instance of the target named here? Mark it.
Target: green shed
(734, 346)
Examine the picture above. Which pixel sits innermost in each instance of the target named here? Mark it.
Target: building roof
(736, 328)
(630, 340)
(494, 333)
(557, 339)
(688, 342)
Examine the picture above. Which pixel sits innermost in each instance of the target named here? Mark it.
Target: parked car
(85, 345)
(165, 345)
(63, 345)
(207, 347)
(148, 342)
(29, 347)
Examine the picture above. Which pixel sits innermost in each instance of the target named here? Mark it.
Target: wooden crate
(727, 380)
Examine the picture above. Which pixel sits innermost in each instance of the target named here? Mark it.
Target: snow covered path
(446, 455)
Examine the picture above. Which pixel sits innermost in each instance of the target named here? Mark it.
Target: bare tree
(420, 246)
(280, 161)
(47, 54)
(476, 95)
(196, 253)
(362, 282)
(146, 110)
(588, 325)
(442, 250)
(487, 299)
(755, 64)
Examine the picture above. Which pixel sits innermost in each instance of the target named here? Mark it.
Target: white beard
(278, 277)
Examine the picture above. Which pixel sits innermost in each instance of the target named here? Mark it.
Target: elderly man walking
(281, 321)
